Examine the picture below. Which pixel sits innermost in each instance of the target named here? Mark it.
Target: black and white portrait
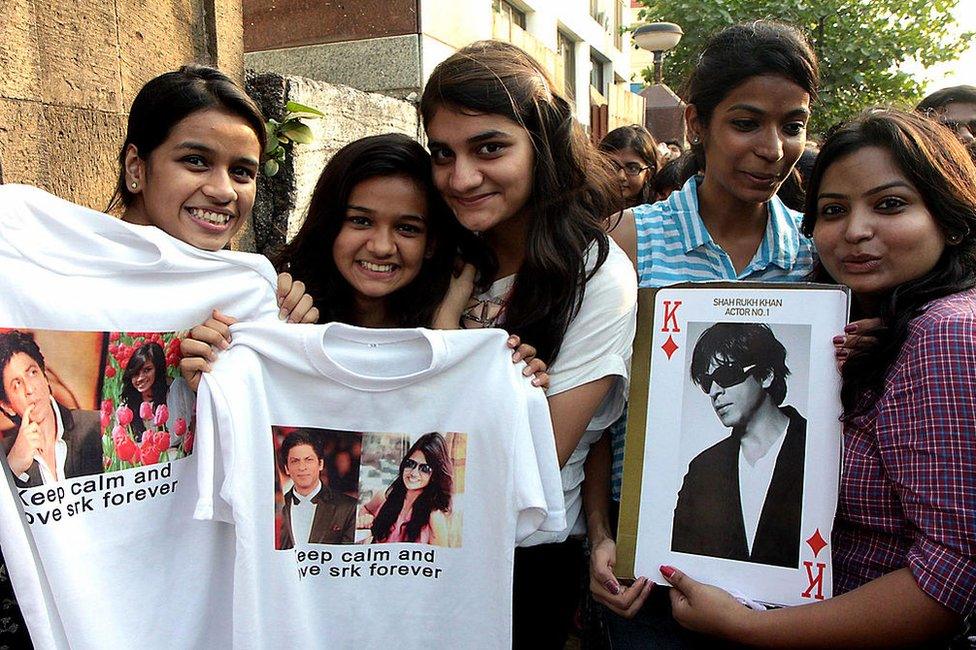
(742, 495)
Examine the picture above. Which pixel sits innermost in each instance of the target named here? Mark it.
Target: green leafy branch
(289, 129)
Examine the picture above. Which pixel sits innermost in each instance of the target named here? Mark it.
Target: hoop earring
(956, 238)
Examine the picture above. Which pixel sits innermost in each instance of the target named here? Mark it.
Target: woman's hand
(858, 335)
(704, 608)
(533, 365)
(295, 305)
(364, 519)
(621, 600)
(448, 313)
(199, 348)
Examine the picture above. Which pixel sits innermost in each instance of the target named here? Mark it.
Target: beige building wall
(69, 72)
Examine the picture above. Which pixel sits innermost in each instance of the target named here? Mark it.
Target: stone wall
(350, 114)
(70, 70)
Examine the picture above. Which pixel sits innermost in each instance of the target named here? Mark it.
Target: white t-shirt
(386, 388)
(598, 343)
(142, 574)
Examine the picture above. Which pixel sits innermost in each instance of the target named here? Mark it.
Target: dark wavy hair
(639, 140)
(292, 440)
(945, 96)
(169, 98)
(133, 398)
(945, 177)
(573, 189)
(436, 496)
(15, 342)
(743, 51)
(308, 256)
(745, 344)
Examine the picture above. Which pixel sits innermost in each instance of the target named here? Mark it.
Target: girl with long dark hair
(417, 505)
(144, 380)
(892, 208)
(633, 153)
(514, 166)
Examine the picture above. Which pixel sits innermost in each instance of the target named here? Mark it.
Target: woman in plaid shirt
(892, 209)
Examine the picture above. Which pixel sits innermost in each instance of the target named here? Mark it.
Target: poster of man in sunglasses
(742, 497)
(732, 458)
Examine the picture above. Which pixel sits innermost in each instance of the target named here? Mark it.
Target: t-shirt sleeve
(927, 440)
(214, 449)
(544, 442)
(599, 340)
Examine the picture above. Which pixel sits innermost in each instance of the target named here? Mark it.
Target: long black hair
(945, 177)
(166, 100)
(308, 256)
(147, 352)
(435, 496)
(573, 189)
(743, 51)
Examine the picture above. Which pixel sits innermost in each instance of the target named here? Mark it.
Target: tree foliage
(862, 44)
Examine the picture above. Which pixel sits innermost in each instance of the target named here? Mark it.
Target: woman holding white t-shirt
(188, 167)
(513, 164)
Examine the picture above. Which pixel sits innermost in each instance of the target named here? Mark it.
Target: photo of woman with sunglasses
(417, 507)
(742, 497)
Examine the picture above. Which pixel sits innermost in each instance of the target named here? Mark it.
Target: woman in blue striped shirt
(748, 105)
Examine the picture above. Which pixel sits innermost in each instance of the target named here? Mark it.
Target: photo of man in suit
(49, 442)
(312, 511)
(742, 497)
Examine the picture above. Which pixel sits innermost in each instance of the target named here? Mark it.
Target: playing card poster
(733, 438)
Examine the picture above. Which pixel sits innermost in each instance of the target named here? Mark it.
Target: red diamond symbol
(816, 542)
(669, 346)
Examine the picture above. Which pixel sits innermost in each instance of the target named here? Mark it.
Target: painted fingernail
(535, 382)
(612, 586)
(667, 571)
(851, 328)
(838, 340)
(842, 353)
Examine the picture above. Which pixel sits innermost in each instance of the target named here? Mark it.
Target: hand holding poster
(733, 444)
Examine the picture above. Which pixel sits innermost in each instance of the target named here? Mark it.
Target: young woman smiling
(378, 248)
(892, 208)
(514, 166)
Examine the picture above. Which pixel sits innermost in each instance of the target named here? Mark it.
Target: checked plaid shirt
(908, 490)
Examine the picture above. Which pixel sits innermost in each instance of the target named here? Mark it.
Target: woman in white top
(515, 167)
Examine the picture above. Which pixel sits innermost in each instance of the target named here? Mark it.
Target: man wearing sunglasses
(312, 512)
(742, 497)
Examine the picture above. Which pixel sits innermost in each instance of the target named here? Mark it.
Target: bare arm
(572, 410)
(625, 234)
(888, 611)
(624, 600)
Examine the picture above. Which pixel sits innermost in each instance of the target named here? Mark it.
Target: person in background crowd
(675, 149)
(633, 154)
(892, 209)
(954, 107)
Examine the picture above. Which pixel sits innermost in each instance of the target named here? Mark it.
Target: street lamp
(658, 38)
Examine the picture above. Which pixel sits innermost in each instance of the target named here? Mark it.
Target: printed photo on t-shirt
(316, 486)
(411, 488)
(76, 404)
